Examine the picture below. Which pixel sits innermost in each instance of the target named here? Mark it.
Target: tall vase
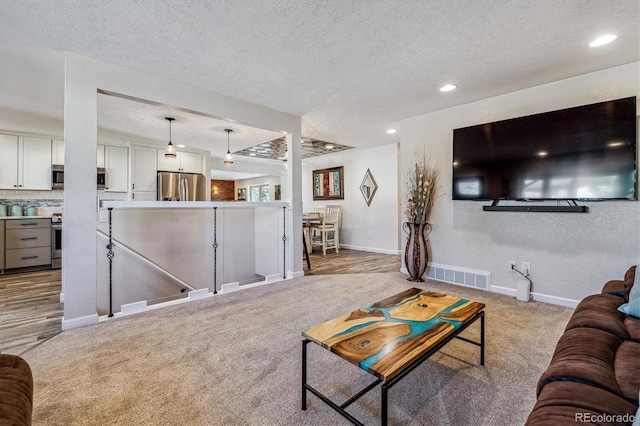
(416, 256)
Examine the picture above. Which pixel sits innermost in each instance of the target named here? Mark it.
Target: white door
(8, 162)
(115, 161)
(34, 167)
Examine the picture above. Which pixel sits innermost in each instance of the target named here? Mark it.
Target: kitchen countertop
(25, 217)
(188, 204)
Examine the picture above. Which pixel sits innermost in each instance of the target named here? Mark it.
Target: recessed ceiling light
(252, 154)
(391, 131)
(180, 146)
(327, 146)
(602, 40)
(448, 87)
(542, 153)
(615, 144)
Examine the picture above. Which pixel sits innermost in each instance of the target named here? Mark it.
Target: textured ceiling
(351, 69)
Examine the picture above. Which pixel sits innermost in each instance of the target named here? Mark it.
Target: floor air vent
(461, 276)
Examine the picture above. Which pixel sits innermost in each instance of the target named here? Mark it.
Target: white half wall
(369, 228)
(571, 255)
(83, 78)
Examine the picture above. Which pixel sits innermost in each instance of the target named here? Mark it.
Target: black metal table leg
(304, 373)
(482, 339)
(383, 405)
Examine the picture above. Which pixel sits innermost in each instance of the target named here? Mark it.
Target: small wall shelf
(572, 207)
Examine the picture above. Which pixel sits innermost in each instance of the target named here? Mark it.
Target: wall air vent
(460, 276)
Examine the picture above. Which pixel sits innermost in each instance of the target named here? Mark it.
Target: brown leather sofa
(594, 374)
(16, 391)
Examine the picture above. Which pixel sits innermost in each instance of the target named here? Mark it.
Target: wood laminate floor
(351, 262)
(30, 309)
(31, 312)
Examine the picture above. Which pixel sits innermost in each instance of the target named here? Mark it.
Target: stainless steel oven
(56, 241)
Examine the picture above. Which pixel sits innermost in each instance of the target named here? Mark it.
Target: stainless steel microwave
(57, 177)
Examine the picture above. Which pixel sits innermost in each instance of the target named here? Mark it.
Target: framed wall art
(328, 184)
(242, 194)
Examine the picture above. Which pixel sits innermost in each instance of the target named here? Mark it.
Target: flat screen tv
(582, 153)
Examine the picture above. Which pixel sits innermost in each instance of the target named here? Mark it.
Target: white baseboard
(133, 308)
(296, 274)
(503, 290)
(227, 288)
(68, 324)
(370, 249)
(562, 301)
(198, 294)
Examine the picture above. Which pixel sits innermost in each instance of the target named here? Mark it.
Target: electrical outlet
(104, 216)
(512, 265)
(526, 268)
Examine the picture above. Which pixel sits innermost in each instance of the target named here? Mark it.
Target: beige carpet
(235, 360)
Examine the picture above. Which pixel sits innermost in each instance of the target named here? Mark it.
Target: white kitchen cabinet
(116, 164)
(25, 163)
(144, 169)
(143, 196)
(100, 156)
(187, 162)
(57, 152)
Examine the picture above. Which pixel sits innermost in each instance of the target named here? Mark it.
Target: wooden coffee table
(392, 337)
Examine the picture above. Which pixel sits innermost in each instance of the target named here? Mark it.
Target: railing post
(215, 250)
(110, 255)
(284, 242)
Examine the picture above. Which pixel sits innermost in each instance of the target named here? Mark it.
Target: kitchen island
(163, 249)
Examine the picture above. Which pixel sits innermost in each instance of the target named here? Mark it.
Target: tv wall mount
(571, 207)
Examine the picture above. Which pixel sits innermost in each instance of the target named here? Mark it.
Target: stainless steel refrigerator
(181, 187)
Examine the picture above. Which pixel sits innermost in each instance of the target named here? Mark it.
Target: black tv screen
(581, 153)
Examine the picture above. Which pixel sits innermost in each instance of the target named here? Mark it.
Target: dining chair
(327, 233)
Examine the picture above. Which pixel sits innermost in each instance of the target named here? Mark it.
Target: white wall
(571, 255)
(380, 220)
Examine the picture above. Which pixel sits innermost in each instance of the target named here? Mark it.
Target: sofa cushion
(626, 368)
(564, 402)
(584, 355)
(632, 307)
(600, 311)
(16, 391)
(632, 325)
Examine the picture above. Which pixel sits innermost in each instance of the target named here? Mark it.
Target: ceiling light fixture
(171, 151)
(252, 154)
(227, 158)
(543, 153)
(602, 40)
(328, 146)
(391, 131)
(448, 87)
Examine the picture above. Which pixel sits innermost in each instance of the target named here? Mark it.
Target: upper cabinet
(25, 163)
(57, 152)
(187, 162)
(115, 162)
(100, 156)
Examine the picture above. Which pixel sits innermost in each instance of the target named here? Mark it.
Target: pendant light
(171, 151)
(227, 158)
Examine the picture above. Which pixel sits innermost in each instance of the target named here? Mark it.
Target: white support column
(294, 196)
(79, 236)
